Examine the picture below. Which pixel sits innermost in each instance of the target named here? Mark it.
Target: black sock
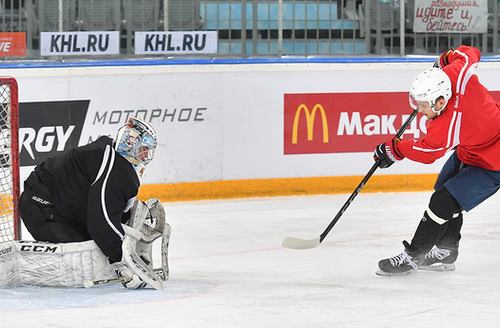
(451, 236)
(428, 233)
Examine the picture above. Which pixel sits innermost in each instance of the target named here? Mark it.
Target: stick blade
(296, 243)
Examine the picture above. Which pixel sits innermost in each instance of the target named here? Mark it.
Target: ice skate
(400, 264)
(440, 259)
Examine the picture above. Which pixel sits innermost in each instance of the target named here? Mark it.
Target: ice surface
(229, 270)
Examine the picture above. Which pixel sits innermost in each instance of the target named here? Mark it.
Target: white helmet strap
(433, 106)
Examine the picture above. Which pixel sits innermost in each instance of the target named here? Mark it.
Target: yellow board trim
(172, 192)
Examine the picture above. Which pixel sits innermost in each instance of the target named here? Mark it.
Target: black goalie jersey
(92, 186)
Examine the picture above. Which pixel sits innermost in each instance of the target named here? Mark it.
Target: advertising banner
(13, 44)
(451, 16)
(176, 42)
(49, 128)
(346, 122)
(79, 43)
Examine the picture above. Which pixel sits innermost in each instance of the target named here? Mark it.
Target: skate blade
(391, 274)
(438, 267)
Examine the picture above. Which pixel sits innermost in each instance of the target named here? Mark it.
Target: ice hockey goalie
(82, 264)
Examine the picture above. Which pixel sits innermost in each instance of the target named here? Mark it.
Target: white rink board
(239, 134)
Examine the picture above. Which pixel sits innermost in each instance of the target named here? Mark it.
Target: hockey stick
(296, 243)
(101, 282)
(93, 283)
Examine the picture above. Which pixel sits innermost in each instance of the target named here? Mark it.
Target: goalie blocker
(82, 264)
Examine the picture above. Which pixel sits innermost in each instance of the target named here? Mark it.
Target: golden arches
(310, 122)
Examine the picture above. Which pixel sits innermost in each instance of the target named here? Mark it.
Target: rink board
(237, 128)
(285, 187)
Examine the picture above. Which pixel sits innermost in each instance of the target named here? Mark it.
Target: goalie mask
(429, 86)
(136, 141)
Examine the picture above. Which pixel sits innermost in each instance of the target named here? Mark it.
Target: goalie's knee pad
(442, 206)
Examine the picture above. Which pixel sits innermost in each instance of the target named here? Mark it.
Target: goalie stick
(297, 243)
(101, 282)
(93, 283)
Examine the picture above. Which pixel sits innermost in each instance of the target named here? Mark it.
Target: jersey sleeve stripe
(427, 150)
(456, 136)
(103, 164)
(470, 72)
(103, 194)
(459, 85)
(453, 135)
(450, 130)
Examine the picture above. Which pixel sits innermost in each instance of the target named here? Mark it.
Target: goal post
(10, 224)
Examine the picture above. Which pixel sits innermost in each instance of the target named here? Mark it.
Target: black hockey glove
(442, 60)
(386, 154)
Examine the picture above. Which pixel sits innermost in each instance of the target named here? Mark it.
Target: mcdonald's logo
(310, 115)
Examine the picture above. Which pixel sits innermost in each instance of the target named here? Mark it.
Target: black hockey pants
(40, 217)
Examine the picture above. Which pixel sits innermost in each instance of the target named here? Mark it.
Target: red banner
(346, 122)
(13, 44)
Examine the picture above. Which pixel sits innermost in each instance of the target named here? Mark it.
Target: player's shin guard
(452, 236)
(442, 257)
(427, 234)
(434, 224)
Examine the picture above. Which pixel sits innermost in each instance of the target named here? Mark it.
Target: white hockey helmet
(430, 85)
(136, 141)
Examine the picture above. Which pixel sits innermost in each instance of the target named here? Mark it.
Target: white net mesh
(9, 166)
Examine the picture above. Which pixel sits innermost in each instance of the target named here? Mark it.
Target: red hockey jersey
(470, 122)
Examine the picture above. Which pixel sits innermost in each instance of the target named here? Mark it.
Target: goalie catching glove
(386, 154)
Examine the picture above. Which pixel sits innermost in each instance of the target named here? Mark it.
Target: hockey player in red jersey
(465, 119)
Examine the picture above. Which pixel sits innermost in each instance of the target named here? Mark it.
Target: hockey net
(10, 227)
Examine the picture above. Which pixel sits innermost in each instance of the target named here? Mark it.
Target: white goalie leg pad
(147, 223)
(61, 265)
(9, 265)
(163, 271)
(137, 266)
